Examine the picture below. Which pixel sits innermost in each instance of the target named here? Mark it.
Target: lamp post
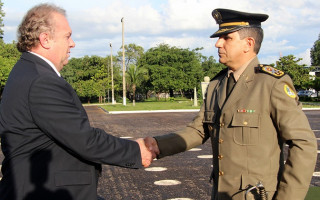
(112, 87)
(123, 66)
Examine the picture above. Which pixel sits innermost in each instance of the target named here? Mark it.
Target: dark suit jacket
(50, 149)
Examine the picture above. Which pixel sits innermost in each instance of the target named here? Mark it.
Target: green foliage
(132, 53)
(315, 53)
(299, 73)
(2, 14)
(9, 55)
(90, 76)
(135, 76)
(172, 68)
(211, 67)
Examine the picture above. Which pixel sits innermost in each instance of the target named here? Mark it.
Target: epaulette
(220, 73)
(270, 70)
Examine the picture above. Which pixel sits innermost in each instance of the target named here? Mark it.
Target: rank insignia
(271, 71)
(289, 91)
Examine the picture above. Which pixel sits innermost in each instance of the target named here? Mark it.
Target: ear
(249, 44)
(44, 40)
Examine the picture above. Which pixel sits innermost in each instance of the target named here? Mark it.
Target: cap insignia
(217, 16)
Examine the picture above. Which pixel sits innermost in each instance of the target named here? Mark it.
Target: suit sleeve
(57, 111)
(294, 129)
(187, 138)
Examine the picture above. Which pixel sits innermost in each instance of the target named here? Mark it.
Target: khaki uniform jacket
(247, 132)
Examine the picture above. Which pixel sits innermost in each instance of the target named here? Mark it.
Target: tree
(315, 53)
(135, 76)
(298, 73)
(315, 84)
(2, 14)
(88, 76)
(211, 67)
(132, 53)
(172, 69)
(9, 55)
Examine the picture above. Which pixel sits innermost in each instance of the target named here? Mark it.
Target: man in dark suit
(250, 111)
(50, 149)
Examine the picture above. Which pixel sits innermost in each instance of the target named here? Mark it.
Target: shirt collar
(239, 71)
(48, 61)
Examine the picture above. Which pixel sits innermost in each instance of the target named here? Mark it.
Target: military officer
(250, 111)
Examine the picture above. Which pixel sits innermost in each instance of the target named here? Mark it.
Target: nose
(219, 43)
(72, 43)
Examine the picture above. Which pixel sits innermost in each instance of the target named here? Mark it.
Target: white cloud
(291, 27)
(305, 57)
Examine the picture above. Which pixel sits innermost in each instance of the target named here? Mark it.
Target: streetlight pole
(112, 87)
(123, 66)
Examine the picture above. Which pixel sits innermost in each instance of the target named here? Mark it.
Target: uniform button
(220, 141)
(220, 157)
(221, 124)
(245, 123)
(210, 127)
(221, 173)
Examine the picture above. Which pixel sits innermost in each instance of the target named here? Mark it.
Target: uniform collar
(239, 71)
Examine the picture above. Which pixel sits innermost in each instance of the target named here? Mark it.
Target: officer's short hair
(256, 33)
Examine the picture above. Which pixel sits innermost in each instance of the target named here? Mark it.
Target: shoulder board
(220, 73)
(271, 71)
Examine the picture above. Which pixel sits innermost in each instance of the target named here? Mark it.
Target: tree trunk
(182, 95)
(171, 92)
(134, 94)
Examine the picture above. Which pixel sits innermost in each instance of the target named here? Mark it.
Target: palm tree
(135, 75)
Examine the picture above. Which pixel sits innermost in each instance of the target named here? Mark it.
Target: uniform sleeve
(294, 129)
(187, 138)
(57, 111)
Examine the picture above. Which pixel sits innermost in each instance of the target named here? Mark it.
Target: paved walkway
(184, 176)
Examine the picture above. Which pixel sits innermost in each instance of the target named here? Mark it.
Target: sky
(292, 26)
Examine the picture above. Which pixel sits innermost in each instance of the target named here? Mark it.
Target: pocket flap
(246, 119)
(72, 178)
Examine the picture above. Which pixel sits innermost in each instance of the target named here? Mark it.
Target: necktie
(230, 84)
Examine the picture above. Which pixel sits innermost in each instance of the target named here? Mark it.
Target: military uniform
(249, 127)
(247, 131)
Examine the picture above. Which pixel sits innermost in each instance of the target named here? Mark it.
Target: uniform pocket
(246, 128)
(65, 178)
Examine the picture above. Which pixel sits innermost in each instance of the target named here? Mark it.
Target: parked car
(306, 93)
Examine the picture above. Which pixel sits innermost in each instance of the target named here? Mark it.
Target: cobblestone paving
(192, 173)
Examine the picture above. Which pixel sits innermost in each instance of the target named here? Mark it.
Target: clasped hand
(149, 150)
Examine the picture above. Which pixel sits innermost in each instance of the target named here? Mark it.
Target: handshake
(149, 150)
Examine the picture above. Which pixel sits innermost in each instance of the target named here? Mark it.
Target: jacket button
(221, 124)
(220, 157)
(221, 173)
(220, 141)
(210, 127)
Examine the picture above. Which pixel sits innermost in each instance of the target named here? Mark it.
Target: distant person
(250, 111)
(49, 146)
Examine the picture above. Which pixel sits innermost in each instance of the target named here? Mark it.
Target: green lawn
(168, 105)
(313, 193)
(153, 105)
